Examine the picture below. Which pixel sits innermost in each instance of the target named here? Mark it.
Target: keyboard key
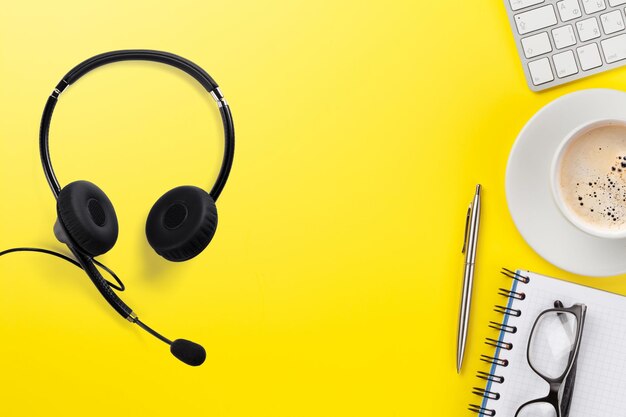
(536, 45)
(589, 56)
(612, 22)
(540, 71)
(614, 49)
(614, 3)
(535, 19)
(565, 64)
(521, 4)
(588, 29)
(564, 37)
(592, 6)
(568, 9)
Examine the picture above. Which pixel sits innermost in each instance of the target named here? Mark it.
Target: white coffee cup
(556, 188)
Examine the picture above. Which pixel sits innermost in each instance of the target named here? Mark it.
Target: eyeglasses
(552, 353)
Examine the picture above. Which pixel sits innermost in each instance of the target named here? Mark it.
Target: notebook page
(600, 389)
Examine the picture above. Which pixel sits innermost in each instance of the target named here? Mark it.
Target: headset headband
(139, 55)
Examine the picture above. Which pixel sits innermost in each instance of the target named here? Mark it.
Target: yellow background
(333, 282)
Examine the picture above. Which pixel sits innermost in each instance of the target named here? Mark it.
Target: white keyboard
(563, 40)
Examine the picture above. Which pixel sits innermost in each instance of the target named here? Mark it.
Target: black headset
(179, 226)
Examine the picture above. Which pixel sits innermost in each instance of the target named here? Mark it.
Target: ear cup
(88, 217)
(182, 223)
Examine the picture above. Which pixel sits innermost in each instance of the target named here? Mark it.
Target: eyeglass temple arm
(568, 390)
(568, 386)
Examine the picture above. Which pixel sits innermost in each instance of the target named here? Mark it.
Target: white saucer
(529, 194)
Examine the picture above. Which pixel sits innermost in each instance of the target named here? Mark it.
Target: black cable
(152, 332)
(119, 287)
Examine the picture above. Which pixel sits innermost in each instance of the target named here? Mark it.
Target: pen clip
(466, 234)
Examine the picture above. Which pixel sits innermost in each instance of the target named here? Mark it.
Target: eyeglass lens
(537, 410)
(552, 342)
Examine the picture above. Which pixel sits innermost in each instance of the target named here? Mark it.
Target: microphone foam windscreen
(188, 352)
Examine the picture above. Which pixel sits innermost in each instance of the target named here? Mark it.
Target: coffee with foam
(591, 177)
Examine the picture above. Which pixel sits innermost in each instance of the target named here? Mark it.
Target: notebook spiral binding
(492, 379)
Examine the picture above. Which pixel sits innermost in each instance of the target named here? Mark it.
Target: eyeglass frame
(569, 375)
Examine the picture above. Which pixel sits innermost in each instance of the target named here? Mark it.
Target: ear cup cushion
(88, 217)
(181, 223)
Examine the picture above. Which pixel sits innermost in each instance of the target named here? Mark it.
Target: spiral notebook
(600, 389)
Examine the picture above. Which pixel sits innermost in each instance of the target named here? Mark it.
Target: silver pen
(469, 249)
